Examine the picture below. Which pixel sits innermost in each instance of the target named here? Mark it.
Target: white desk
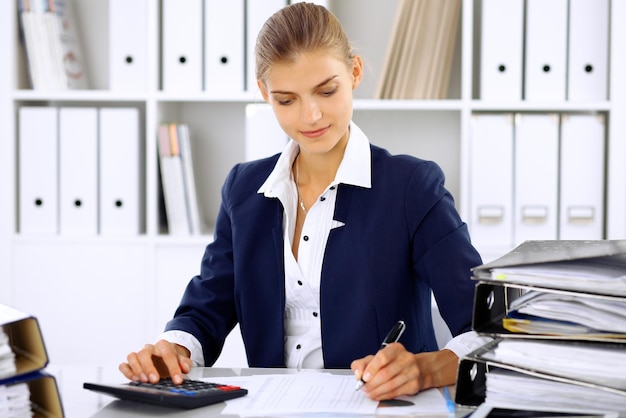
(81, 403)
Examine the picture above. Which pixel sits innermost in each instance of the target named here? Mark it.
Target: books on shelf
(556, 310)
(53, 51)
(25, 388)
(420, 50)
(177, 180)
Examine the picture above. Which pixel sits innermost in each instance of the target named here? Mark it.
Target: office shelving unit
(115, 294)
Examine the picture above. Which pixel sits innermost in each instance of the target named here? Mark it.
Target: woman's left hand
(394, 371)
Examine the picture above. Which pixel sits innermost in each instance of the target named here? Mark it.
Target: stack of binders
(557, 313)
(25, 388)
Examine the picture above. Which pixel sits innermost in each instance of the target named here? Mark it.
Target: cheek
(283, 116)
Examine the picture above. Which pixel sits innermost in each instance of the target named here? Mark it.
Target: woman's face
(312, 99)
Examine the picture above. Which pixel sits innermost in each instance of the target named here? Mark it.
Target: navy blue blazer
(401, 238)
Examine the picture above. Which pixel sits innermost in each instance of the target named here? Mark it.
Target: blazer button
(306, 238)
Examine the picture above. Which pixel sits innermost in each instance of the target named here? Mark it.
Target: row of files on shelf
(549, 50)
(536, 177)
(80, 171)
(206, 44)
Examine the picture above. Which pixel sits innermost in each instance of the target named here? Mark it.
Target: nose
(310, 112)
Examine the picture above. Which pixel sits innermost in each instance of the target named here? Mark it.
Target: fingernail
(134, 378)
(178, 379)
(143, 377)
(366, 376)
(154, 378)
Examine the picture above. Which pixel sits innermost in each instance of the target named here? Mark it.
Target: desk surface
(81, 403)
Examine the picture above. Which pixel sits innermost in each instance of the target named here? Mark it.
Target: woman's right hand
(155, 361)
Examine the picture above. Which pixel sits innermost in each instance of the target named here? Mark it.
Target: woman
(320, 250)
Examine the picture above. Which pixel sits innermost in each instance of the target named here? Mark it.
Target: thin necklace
(298, 188)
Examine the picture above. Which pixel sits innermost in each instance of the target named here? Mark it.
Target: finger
(379, 361)
(170, 359)
(400, 375)
(135, 364)
(147, 357)
(357, 366)
(392, 388)
(127, 371)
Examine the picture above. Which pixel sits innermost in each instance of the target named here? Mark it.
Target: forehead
(305, 71)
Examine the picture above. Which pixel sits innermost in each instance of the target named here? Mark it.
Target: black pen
(392, 337)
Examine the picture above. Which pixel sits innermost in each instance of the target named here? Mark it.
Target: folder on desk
(21, 335)
(78, 170)
(257, 12)
(25, 340)
(501, 50)
(224, 46)
(536, 165)
(528, 311)
(491, 179)
(38, 171)
(592, 266)
(540, 376)
(120, 168)
(182, 45)
(582, 176)
(546, 48)
(128, 45)
(264, 136)
(588, 50)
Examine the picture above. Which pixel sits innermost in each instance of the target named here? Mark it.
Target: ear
(263, 89)
(357, 71)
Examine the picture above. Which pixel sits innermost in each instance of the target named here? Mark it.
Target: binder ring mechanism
(490, 214)
(580, 214)
(534, 214)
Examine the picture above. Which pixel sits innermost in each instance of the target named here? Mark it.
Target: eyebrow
(328, 80)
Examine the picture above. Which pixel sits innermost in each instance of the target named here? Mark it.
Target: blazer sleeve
(442, 250)
(207, 309)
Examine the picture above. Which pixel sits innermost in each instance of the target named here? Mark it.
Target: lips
(316, 133)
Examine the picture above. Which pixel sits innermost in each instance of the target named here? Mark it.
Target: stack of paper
(177, 179)
(538, 312)
(313, 392)
(558, 310)
(15, 401)
(55, 59)
(419, 56)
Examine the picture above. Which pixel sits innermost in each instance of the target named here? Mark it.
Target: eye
(329, 92)
(285, 102)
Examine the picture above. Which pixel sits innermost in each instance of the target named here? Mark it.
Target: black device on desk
(188, 395)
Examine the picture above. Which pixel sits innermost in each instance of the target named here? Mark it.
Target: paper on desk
(297, 394)
(320, 393)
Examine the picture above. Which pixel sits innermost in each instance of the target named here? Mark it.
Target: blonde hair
(299, 28)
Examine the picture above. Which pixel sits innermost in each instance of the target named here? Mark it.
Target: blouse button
(306, 238)
(322, 199)
(332, 187)
(300, 282)
(315, 314)
(298, 347)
